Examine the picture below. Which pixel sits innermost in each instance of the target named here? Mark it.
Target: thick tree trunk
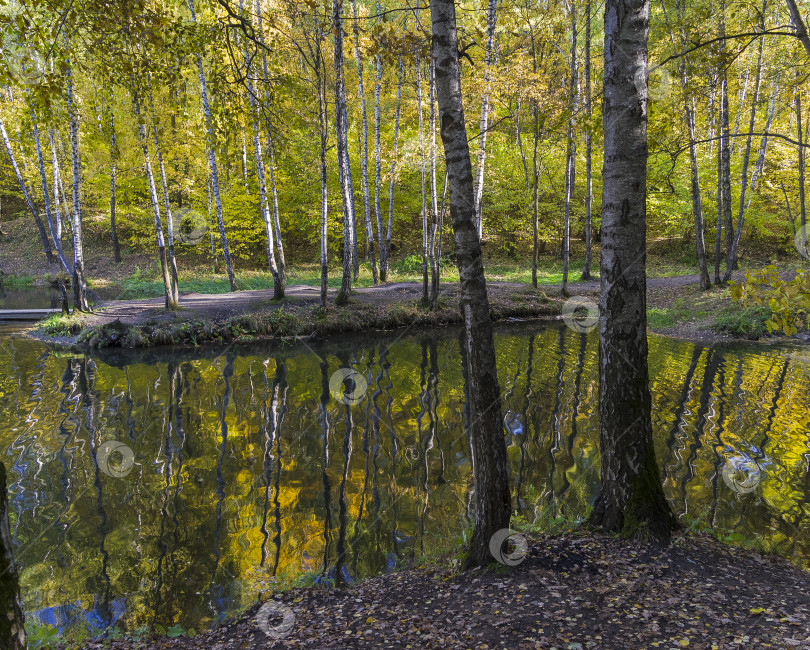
(79, 286)
(212, 164)
(488, 449)
(492, 16)
(171, 303)
(12, 621)
(586, 271)
(344, 165)
(364, 168)
(43, 236)
(631, 500)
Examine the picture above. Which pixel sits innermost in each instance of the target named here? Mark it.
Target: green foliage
(663, 317)
(58, 325)
(745, 322)
(788, 300)
(41, 636)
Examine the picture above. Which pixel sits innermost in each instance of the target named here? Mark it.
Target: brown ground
(571, 591)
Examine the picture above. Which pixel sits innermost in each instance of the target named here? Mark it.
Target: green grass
(748, 322)
(10, 281)
(664, 317)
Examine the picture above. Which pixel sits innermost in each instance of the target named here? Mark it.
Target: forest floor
(571, 591)
(676, 307)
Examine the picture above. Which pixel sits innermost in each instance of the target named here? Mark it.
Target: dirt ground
(569, 592)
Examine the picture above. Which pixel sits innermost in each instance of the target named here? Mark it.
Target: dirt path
(222, 306)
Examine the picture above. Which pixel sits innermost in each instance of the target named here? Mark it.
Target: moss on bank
(282, 320)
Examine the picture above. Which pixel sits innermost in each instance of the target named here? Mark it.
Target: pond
(28, 297)
(171, 487)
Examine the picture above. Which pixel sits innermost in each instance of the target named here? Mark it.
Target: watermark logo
(348, 386)
(115, 459)
(275, 619)
(508, 548)
(801, 242)
(580, 314)
(189, 226)
(659, 83)
(25, 68)
(741, 474)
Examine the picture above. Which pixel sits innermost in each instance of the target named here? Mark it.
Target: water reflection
(245, 470)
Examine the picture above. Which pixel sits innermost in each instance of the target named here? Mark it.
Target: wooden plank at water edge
(26, 314)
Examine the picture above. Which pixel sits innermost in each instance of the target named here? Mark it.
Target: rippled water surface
(172, 486)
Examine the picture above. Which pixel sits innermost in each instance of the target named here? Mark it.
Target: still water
(173, 486)
(28, 297)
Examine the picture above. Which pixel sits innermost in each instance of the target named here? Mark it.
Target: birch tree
(586, 271)
(344, 166)
(278, 287)
(171, 303)
(171, 260)
(386, 248)
(492, 15)
(364, 159)
(57, 244)
(212, 163)
(113, 229)
(79, 286)
(571, 150)
(731, 263)
(631, 494)
(43, 236)
(488, 449)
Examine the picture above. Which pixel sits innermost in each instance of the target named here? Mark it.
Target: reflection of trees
(246, 455)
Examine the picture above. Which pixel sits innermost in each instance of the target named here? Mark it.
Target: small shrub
(746, 322)
(788, 301)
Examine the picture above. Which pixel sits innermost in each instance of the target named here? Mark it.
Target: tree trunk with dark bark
(631, 500)
(488, 449)
(12, 620)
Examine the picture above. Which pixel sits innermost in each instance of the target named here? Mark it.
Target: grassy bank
(284, 319)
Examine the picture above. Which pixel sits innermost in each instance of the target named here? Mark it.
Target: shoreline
(253, 315)
(579, 589)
